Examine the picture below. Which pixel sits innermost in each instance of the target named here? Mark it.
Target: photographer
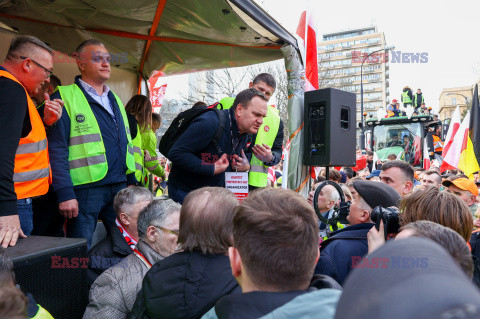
(337, 252)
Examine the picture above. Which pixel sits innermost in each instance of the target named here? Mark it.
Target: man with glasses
(24, 164)
(90, 147)
(114, 292)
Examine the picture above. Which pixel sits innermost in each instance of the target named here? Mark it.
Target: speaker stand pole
(327, 173)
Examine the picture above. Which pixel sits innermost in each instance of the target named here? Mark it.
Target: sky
(445, 30)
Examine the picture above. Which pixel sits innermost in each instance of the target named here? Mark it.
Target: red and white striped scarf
(128, 238)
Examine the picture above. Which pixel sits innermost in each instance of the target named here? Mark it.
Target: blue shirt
(103, 99)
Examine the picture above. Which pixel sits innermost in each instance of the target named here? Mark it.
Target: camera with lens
(390, 219)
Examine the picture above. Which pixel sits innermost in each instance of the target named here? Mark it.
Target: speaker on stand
(330, 128)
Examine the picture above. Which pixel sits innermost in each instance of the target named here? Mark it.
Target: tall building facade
(340, 57)
(450, 98)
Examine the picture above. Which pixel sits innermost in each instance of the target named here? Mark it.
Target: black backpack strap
(219, 133)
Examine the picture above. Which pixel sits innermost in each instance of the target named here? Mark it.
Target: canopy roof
(176, 36)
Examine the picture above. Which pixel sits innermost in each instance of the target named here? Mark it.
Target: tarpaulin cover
(174, 36)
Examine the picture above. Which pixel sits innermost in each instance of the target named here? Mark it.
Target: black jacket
(337, 252)
(475, 243)
(257, 304)
(193, 154)
(184, 285)
(107, 253)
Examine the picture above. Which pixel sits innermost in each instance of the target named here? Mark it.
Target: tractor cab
(401, 136)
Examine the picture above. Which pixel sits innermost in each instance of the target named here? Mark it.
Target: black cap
(414, 278)
(377, 193)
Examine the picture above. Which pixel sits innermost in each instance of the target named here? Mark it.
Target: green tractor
(402, 136)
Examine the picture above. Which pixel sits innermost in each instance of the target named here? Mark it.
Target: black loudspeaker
(330, 128)
(53, 270)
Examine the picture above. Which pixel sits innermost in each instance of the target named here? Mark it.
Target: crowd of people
(191, 249)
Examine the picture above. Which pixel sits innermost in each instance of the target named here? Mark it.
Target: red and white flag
(426, 157)
(272, 177)
(157, 88)
(452, 157)
(307, 32)
(452, 130)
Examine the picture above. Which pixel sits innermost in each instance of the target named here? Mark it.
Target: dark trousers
(47, 220)
(176, 194)
(93, 203)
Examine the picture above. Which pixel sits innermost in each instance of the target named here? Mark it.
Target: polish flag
(452, 157)
(452, 130)
(157, 88)
(306, 30)
(426, 157)
(271, 175)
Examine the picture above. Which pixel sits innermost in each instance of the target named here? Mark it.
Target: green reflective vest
(415, 99)
(86, 152)
(406, 98)
(258, 175)
(339, 226)
(149, 144)
(227, 102)
(42, 313)
(138, 156)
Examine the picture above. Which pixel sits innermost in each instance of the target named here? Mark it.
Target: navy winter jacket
(336, 252)
(193, 155)
(114, 138)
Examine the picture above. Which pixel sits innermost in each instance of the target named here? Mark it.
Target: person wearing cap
(374, 175)
(349, 243)
(393, 109)
(465, 189)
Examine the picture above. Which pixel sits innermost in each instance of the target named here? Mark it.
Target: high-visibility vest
(393, 110)
(339, 226)
(437, 143)
(279, 182)
(258, 175)
(31, 173)
(149, 144)
(42, 313)
(227, 102)
(86, 151)
(138, 156)
(415, 99)
(406, 98)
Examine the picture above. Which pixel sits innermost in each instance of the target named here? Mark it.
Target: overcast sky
(446, 30)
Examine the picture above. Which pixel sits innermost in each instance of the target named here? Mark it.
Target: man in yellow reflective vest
(266, 147)
(90, 147)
